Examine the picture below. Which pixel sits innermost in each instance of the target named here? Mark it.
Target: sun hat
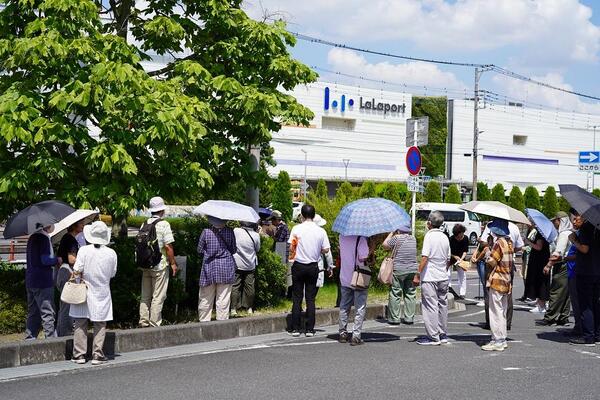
(97, 233)
(157, 204)
(560, 215)
(276, 214)
(320, 221)
(499, 227)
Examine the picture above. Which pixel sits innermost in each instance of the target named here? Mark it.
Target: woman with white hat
(96, 264)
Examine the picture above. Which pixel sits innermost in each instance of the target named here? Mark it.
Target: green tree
(432, 192)
(563, 204)
(453, 195)
(367, 189)
(550, 202)
(498, 193)
(434, 154)
(532, 198)
(483, 192)
(392, 192)
(321, 189)
(596, 192)
(281, 197)
(515, 199)
(345, 193)
(172, 132)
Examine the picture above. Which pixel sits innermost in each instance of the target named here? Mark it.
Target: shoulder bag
(361, 277)
(386, 271)
(73, 292)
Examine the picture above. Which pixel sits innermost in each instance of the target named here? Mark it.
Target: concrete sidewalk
(129, 340)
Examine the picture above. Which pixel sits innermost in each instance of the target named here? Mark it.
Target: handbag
(361, 277)
(73, 292)
(463, 264)
(386, 271)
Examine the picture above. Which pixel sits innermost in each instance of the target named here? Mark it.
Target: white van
(452, 216)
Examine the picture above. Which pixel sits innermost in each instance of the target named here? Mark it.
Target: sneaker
(582, 341)
(99, 361)
(428, 342)
(79, 360)
(310, 333)
(444, 339)
(250, 311)
(393, 323)
(480, 304)
(494, 346)
(572, 333)
(405, 322)
(294, 333)
(538, 310)
(343, 337)
(233, 312)
(544, 322)
(356, 341)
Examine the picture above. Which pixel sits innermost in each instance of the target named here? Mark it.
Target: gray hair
(436, 219)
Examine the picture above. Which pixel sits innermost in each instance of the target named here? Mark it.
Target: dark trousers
(588, 291)
(242, 291)
(304, 284)
(559, 307)
(486, 299)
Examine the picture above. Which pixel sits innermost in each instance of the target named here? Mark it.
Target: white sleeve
(325, 244)
(485, 235)
(426, 246)
(78, 267)
(562, 244)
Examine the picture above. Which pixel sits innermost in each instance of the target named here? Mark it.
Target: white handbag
(73, 292)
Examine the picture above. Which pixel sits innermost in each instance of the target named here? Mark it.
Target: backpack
(147, 252)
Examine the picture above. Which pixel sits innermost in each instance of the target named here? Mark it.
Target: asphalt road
(539, 363)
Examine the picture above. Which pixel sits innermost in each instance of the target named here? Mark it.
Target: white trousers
(206, 299)
(498, 309)
(462, 280)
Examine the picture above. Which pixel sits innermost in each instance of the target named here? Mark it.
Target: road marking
(471, 315)
(512, 369)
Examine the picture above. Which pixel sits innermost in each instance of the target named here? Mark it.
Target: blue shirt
(39, 262)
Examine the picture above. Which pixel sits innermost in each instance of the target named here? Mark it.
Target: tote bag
(73, 292)
(386, 271)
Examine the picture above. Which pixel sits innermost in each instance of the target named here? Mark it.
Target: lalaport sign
(345, 102)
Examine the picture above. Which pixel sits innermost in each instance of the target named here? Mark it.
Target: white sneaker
(233, 312)
(250, 311)
(537, 310)
(480, 304)
(493, 346)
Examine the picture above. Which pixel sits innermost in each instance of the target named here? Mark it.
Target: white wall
(374, 143)
(549, 157)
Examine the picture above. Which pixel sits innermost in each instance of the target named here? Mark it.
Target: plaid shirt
(282, 234)
(501, 262)
(217, 247)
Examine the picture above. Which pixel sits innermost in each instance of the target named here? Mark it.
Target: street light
(594, 149)
(346, 162)
(305, 184)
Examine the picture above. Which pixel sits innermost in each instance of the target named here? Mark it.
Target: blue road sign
(413, 160)
(589, 157)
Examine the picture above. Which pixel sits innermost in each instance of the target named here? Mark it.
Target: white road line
(472, 314)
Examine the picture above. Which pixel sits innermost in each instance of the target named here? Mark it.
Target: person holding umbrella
(537, 282)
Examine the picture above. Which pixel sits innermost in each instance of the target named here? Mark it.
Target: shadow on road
(555, 336)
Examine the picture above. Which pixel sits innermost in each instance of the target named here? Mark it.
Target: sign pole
(414, 194)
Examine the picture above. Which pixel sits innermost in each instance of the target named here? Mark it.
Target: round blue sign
(413, 160)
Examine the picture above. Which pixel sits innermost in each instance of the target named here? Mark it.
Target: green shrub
(532, 198)
(515, 199)
(453, 195)
(321, 189)
(270, 276)
(13, 299)
(596, 192)
(368, 189)
(281, 196)
(550, 202)
(433, 192)
(498, 193)
(483, 192)
(563, 204)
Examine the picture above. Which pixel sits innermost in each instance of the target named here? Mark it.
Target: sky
(554, 41)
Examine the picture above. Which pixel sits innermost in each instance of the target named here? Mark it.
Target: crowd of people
(557, 275)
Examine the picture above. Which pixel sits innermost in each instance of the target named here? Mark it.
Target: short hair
(458, 228)
(574, 212)
(436, 219)
(308, 211)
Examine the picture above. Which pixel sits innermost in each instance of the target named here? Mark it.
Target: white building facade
(519, 146)
(356, 133)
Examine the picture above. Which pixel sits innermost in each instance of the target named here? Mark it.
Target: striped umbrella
(372, 216)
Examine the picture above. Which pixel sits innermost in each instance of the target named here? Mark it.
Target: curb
(32, 352)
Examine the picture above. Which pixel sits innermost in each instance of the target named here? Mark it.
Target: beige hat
(97, 233)
(157, 204)
(276, 215)
(560, 215)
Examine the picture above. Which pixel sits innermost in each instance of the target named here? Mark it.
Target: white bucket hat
(97, 233)
(157, 204)
(320, 221)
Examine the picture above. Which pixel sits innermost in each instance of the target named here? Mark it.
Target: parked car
(296, 209)
(452, 216)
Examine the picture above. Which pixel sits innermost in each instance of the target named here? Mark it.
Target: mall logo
(370, 105)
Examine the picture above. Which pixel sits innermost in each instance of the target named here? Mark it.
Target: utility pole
(304, 184)
(478, 73)
(346, 162)
(252, 193)
(594, 149)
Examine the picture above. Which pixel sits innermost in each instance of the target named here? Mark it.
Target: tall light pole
(305, 184)
(346, 162)
(594, 149)
(478, 73)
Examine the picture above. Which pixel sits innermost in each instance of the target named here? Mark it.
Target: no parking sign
(413, 160)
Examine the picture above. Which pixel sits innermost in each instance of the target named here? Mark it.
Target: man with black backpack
(154, 252)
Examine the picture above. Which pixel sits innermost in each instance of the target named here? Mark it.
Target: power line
(491, 67)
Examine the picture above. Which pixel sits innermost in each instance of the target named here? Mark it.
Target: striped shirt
(405, 260)
(501, 263)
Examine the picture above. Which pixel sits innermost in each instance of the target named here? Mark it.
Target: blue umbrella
(264, 213)
(368, 217)
(544, 226)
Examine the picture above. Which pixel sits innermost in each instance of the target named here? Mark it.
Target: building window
(519, 140)
(338, 124)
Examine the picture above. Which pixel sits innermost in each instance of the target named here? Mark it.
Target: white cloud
(410, 73)
(523, 91)
(547, 30)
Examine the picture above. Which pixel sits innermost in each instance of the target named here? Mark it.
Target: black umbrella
(585, 203)
(36, 216)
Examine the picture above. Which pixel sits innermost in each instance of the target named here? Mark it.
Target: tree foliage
(173, 132)
(550, 206)
(321, 189)
(434, 154)
(368, 189)
(563, 204)
(532, 198)
(515, 199)
(281, 197)
(596, 192)
(453, 195)
(483, 192)
(345, 193)
(432, 192)
(498, 193)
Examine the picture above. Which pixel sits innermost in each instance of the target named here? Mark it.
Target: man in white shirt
(155, 280)
(433, 277)
(307, 242)
(247, 242)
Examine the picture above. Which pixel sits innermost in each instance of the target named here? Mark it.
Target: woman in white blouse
(97, 264)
